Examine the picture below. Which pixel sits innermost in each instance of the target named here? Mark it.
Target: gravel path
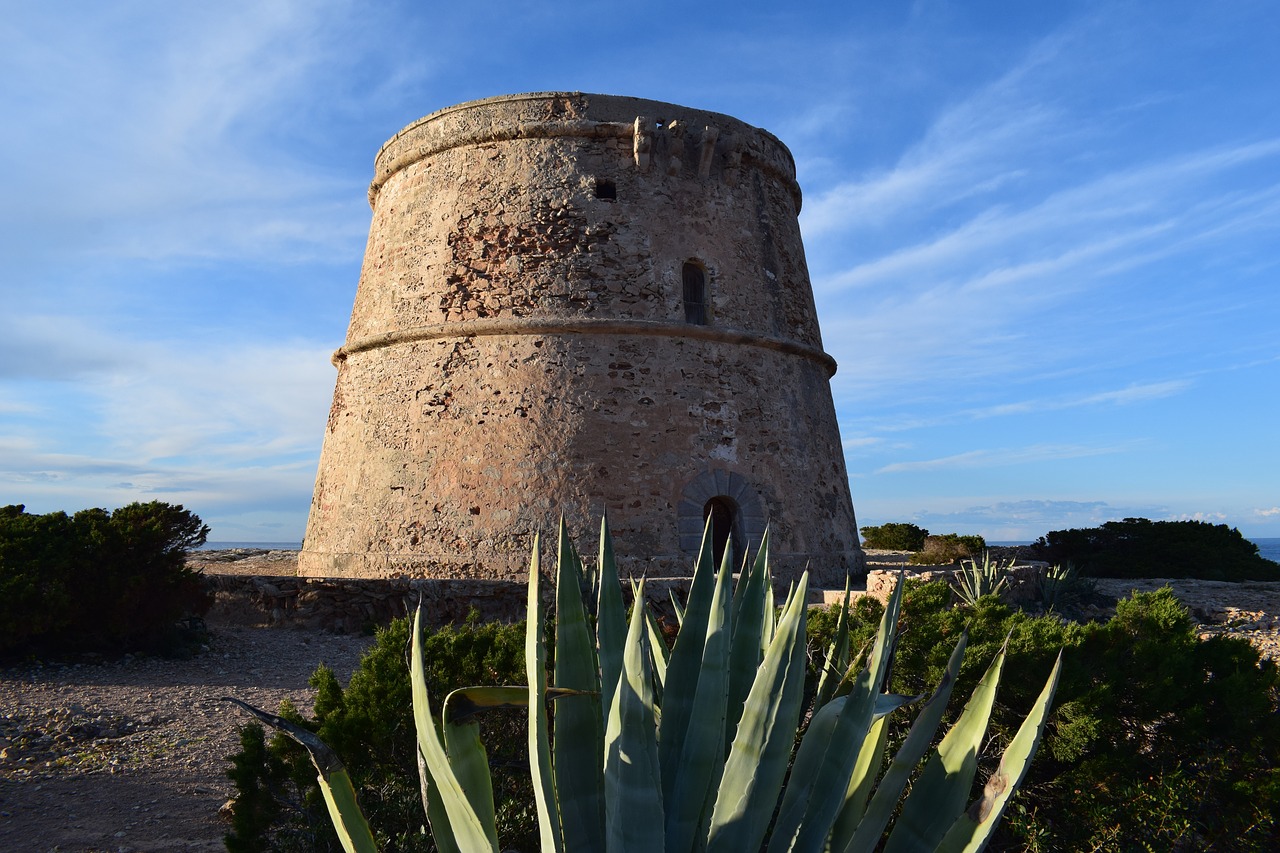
(130, 755)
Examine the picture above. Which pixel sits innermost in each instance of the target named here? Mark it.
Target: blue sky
(1044, 238)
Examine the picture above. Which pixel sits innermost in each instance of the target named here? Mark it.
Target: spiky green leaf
(974, 827)
(539, 741)
(633, 780)
(761, 748)
(335, 784)
(578, 769)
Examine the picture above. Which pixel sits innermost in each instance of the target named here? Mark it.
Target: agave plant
(695, 748)
(974, 579)
(1060, 585)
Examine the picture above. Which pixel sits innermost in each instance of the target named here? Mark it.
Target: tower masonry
(576, 305)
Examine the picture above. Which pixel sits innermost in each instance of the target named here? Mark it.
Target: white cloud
(221, 426)
(1004, 520)
(167, 133)
(1001, 456)
(1210, 517)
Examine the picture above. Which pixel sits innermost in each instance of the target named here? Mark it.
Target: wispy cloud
(142, 152)
(1127, 396)
(1000, 457)
(211, 420)
(1092, 222)
(1130, 395)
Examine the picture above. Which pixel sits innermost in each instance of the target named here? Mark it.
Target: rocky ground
(129, 755)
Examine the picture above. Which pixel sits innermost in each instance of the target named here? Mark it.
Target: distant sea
(1268, 547)
(270, 546)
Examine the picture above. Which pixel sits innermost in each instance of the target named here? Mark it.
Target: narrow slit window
(695, 294)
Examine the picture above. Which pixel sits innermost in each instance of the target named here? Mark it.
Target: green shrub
(370, 725)
(1139, 548)
(894, 537)
(948, 548)
(98, 581)
(698, 747)
(1158, 740)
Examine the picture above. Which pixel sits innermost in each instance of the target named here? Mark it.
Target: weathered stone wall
(518, 349)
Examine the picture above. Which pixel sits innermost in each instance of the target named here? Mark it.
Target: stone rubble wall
(1022, 587)
(358, 605)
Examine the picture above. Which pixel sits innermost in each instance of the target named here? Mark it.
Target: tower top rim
(506, 117)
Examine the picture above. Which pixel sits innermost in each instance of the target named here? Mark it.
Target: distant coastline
(266, 546)
(1268, 547)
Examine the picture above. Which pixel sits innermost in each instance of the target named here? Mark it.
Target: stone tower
(575, 304)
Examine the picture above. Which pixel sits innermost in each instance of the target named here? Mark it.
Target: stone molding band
(584, 326)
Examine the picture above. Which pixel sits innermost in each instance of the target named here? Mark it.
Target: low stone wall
(355, 605)
(1022, 587)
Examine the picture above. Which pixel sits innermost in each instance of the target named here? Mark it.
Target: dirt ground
(130, 755)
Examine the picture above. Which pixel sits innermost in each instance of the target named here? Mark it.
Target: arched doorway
(740, 504)
(723, 516)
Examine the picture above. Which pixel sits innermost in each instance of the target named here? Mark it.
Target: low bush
(948, 548)
(98, 581)
(278, 805)
(1140, 548)
(894, 537)
(1157, 741)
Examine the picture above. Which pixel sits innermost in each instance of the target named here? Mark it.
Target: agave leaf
(344, 812)
(771, 613)
(544, 786)
(680, 682)
(825, 762)
(940, 794)
(335, 784)
(659, 655)
(579, 779)
(889, 791)
(464, 825)
(700, 764)
(804, 773)
(470, 764)
(611, 622)
(861, 782)
(466, 702)
(750, 612)
(761, 750)
(835, 665)
(632, 777)
(973, 828)
(433, 807)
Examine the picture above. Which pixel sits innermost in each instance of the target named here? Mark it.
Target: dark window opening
(722, 514)
(607, 190)
(695, 294)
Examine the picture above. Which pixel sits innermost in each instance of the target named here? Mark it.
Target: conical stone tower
(574, 305)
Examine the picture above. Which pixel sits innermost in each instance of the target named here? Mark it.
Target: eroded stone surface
(520, 349)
